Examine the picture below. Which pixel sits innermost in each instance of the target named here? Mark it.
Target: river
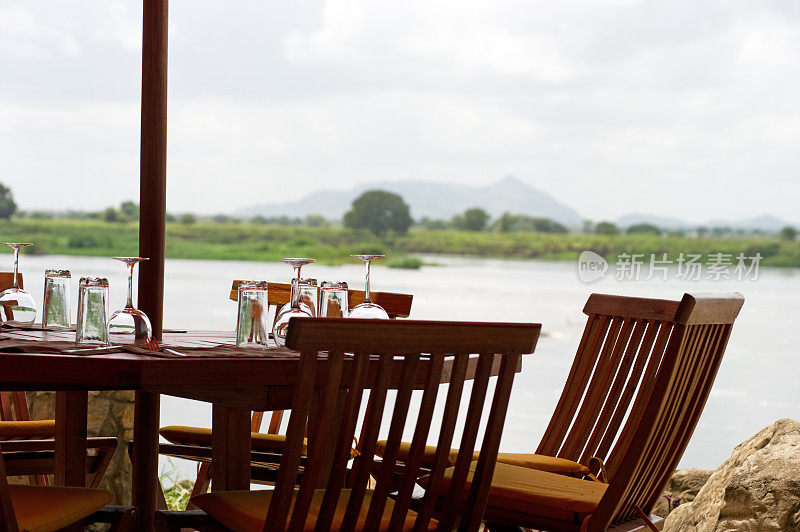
(756, 385)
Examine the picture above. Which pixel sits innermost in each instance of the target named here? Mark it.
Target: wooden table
(234, 385)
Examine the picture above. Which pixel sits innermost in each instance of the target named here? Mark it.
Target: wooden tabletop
(236, 378)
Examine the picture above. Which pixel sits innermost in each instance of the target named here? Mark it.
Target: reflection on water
(756, 384)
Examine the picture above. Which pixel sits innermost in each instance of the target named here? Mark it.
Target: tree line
(381, 213)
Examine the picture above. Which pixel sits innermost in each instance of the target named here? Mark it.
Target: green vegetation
(643, 229)
(475, 219)
(788, 233)
(251, 241)
(176, 491)
(606, 228)
(405, 263)
(519, 223)
(380, 212)
(7, 205)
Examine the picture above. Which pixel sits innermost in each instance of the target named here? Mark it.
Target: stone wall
(110, 413)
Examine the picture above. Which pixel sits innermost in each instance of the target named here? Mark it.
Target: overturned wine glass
(368, 309)
(18, 306)
(299, 304)
(130, 320)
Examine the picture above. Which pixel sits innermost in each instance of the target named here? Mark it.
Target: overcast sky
(679, 108)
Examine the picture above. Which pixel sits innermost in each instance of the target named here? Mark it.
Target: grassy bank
(241, 241)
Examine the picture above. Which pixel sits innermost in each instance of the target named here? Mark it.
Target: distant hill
(766, 223)
(659, 221)
(433, 200)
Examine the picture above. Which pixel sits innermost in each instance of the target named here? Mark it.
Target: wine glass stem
(16, 267)
(129, 304)
(295, 288)
(366, 283)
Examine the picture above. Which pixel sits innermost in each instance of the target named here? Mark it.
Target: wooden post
(144, 487)
(152, 225)
(153, 162)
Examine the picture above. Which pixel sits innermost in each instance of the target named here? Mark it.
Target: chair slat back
(611, 377)
(654, 440)
(396, 305)
(369, 361)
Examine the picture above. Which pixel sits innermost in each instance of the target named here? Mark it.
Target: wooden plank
(7, 280)
(70, 438)
(245, 397)
(364, 335)
(710, 308)
(631, 307)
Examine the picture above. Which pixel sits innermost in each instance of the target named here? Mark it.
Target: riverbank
(333, 245)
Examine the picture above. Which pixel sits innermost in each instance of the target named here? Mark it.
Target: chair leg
(161, 500)
(201, 483)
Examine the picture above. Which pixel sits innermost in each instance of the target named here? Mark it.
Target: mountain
(766, 223)
(663, 222)
(432, 200)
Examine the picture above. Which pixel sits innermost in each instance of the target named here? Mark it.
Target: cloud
(23, 35)
(608, 105)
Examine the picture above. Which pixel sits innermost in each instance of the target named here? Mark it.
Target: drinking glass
(296, 309)
(130, 320)
(92, 311)
(252, 318)
(17, 304)
(55, 309)
(368, 309)
(333, 302)
(297, 264)
(309, 295)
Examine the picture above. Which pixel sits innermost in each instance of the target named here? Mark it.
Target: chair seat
(47, 508)
(27, 430)
(202, 437)
(561, 466)
(245, 511)
(522, 491)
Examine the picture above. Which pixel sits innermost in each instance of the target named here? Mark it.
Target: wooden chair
(635, 391)
(433, 358)
(28, 446)
(48, 508)
(194, 443)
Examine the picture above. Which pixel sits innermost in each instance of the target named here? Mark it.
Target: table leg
(230, 448)
(145, 458)
(70, 453)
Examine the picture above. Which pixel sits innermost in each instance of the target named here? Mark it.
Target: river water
(756, 385)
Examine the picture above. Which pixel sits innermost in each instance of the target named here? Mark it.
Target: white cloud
(611, 106)
(23, 35)
(470, 38)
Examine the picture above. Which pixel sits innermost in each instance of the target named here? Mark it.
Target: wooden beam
(153, 162)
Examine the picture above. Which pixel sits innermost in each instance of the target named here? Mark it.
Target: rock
(684, 485)
(756, 489)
